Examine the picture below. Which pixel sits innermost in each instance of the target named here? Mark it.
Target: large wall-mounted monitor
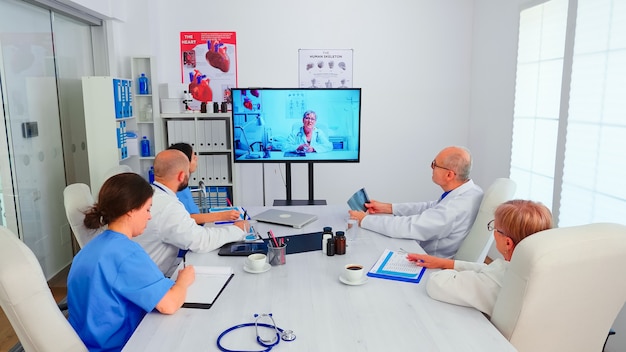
(296, 125)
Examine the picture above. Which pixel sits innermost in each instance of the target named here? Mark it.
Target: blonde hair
(519, 218)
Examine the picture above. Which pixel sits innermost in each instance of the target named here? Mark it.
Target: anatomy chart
(208, 66)
(325, 68)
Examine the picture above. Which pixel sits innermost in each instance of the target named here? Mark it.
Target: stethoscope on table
(286, 335)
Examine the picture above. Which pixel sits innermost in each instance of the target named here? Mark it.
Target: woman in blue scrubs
(113, 282)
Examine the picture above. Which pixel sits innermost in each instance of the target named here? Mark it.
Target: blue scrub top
(111, 285)
(186, 198)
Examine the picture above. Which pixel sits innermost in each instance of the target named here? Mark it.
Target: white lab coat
(439, 226)
(469, 284)
(319, 141)
(172, 228)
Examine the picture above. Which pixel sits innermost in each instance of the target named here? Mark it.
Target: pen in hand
(184, 261)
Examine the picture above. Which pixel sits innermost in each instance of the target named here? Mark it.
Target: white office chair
(28, 303)
(77, 198)
(118, 169)
(563, 289)
(477, 243)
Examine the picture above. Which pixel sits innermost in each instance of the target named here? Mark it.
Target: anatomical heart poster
(208, 67)
(325, 68)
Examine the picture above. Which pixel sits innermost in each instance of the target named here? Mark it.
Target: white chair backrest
(563, 289)
(77, 198)
(28, 303)
(476, 245)
(118, 169)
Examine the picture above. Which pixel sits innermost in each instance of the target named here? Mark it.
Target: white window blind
(591, 181)
(537, 99)
(594, 178)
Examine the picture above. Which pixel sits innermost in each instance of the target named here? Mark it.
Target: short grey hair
(461, 162)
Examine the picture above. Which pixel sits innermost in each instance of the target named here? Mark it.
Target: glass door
(39, 75)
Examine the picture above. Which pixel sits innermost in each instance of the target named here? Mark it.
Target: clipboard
(209, 284)
(395, 266)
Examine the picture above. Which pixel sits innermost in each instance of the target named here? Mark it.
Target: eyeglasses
(491, 227)
(310, 118)
(433, 165)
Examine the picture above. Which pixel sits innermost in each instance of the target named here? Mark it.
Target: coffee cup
(256, 261)
(353, 272)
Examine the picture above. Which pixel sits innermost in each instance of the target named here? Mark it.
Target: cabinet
(210, 135)
(147, 122)
(107, 104)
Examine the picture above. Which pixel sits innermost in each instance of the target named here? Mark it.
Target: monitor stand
(289, 201)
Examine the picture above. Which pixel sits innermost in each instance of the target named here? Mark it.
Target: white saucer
(351, 283)
(265, 268)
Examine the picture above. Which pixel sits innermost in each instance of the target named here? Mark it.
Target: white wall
(433, 73)
(412, 59)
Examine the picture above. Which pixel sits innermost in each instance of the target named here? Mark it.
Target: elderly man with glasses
(440, 225)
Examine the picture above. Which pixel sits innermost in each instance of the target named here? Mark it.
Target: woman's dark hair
(183, 147)
(119, 194)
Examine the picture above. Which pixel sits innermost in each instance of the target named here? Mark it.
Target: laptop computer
(285, 217)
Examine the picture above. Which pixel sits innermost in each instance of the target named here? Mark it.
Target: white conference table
(306, 296)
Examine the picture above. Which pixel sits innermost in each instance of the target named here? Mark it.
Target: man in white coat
(441, 225)
(171, 227)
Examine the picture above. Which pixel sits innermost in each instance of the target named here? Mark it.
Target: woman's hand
(430, 262)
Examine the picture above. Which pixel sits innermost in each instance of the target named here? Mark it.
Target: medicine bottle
(340, 243)
(145, 146)
(143, 84)
(327, 234)
(330, 247)
(151, 175)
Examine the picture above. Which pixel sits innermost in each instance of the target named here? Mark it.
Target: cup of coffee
(353, 272)
(256, 261)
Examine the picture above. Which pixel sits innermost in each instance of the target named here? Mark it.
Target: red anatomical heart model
(199, 86)
(216, 55)
(247, 103)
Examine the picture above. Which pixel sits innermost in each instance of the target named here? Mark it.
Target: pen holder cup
(276, 255)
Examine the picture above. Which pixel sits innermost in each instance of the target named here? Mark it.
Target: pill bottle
(330, 247)
(326, 235)
(340, 243)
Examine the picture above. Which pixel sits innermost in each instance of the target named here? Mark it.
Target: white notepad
(209, 284)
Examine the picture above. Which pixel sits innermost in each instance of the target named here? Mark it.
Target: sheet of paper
(209, 283)
(394, 264)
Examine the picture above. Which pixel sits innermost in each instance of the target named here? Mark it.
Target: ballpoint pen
(185, 261)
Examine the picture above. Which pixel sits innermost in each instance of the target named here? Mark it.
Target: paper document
(358, 200)
(209, 284)
(394, 266)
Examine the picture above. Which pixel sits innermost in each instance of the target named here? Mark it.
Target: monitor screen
(296, 124)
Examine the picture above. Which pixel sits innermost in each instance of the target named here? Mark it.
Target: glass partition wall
(42, 57)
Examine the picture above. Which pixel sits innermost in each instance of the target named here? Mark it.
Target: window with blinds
(569, 133)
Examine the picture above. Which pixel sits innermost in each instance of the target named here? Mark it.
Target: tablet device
(241, 248)
(295, 244)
